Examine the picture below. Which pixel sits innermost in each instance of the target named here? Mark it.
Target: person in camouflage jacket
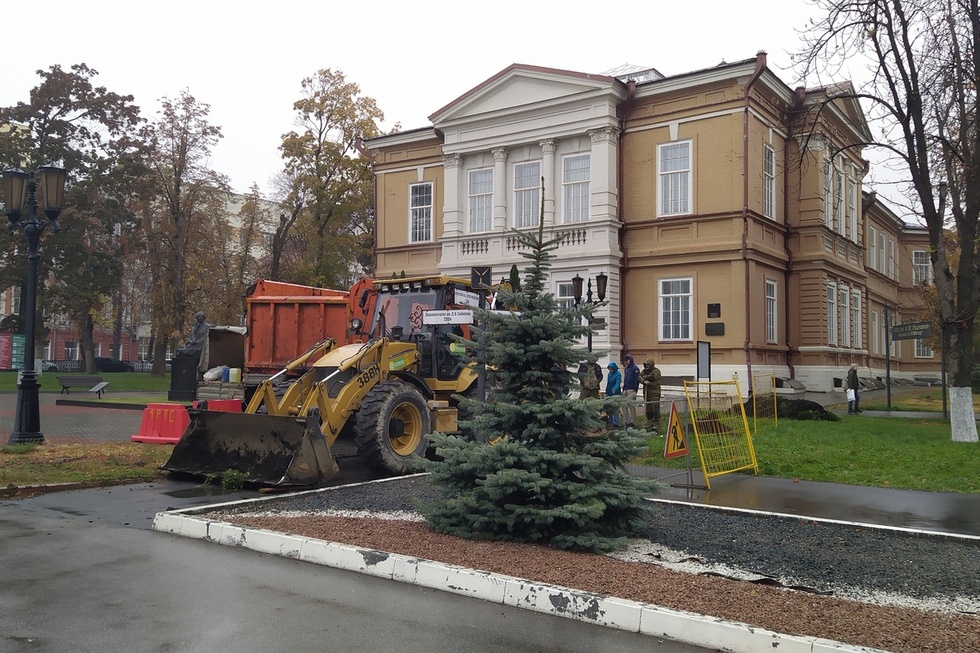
(650, 376)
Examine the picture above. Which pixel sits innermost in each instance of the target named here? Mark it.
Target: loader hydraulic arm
(375, 363)
(314, 352)
(265, 394)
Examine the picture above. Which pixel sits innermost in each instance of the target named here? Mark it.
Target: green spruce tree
(543, 467)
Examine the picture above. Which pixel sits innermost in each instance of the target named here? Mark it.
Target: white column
(452, 213)
(603, 186)
(548, 172)
(500, 189)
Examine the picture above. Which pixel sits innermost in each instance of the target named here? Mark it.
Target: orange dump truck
(283, 320)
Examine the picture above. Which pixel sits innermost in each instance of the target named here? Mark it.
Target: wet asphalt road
(80, 571)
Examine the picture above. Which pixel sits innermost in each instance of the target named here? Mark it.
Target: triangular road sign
(676, 444)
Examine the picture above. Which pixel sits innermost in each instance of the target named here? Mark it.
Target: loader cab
(399, 313)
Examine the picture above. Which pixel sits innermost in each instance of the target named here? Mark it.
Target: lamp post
(600, 285)
(18, 185)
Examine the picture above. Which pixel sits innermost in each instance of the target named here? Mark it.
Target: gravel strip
(886, 589)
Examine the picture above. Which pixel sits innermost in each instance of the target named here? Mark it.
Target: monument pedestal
(183, 378)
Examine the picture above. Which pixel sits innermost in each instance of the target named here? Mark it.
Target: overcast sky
(246, 59)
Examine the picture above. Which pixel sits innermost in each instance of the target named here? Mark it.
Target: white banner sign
(447, 317)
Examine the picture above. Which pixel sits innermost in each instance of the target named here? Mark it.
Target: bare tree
(180, 217)
(922, 101)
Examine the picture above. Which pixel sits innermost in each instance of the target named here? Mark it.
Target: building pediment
(527, 88)
(842, 103)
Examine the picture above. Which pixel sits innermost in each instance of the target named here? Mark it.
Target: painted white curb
(646, 619)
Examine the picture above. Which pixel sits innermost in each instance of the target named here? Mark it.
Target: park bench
(93, 383)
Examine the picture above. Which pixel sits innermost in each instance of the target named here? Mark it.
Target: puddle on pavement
(201, 491)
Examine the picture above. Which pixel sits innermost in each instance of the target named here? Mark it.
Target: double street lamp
(20, 187)
(600, 285)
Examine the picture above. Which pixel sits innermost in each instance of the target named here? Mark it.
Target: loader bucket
(268, 450)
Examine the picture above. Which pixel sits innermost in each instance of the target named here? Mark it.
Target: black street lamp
(18, 185)
(600, 286)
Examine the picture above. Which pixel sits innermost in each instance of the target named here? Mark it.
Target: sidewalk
(933, 512)
(75, 424)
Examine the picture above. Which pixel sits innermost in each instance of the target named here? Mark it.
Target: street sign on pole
(912, 330)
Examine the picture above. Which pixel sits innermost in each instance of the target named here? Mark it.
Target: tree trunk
(963, 423)
(159, 359)
(86, 328)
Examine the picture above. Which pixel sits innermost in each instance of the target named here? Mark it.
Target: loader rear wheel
(393, 425)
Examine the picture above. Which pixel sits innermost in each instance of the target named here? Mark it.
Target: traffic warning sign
(676, 444)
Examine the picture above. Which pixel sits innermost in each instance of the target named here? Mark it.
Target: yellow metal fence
(721, 428)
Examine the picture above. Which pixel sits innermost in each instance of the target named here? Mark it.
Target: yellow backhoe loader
(388, 394)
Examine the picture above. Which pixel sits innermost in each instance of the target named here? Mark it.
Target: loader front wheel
(393, 425)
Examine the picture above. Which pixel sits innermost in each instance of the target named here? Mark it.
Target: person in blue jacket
(614, 387)
(631, 385)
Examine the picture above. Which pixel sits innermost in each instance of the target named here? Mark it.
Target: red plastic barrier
(162, 424)
(225, 405)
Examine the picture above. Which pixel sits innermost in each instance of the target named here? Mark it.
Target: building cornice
(401, 139)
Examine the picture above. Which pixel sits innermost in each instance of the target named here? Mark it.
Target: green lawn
(915, 454)
(118, 381)
(103, 464)
(928, 399)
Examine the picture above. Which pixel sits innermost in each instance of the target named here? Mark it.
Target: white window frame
(891, 259)
(771, 311)
(576, 190)
(881, 252)
(828, 194)
(875, 334)
(922, 350)
(921, 268)
(675, 298)
(839, 207)
(527, 195)
(872, 248)
(420, 213)
(844, 318)
(479, 200)
(857, 341)
(71, 350)
(565, 294)
(675, 181)
(831, 303)
(769, 182)
(852, 215)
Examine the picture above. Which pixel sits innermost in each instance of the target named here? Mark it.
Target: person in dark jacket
(614, 388)
(650, 376)
(631, 386)
(853, 387)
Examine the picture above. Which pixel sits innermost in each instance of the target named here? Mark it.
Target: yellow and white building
(724, 206)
